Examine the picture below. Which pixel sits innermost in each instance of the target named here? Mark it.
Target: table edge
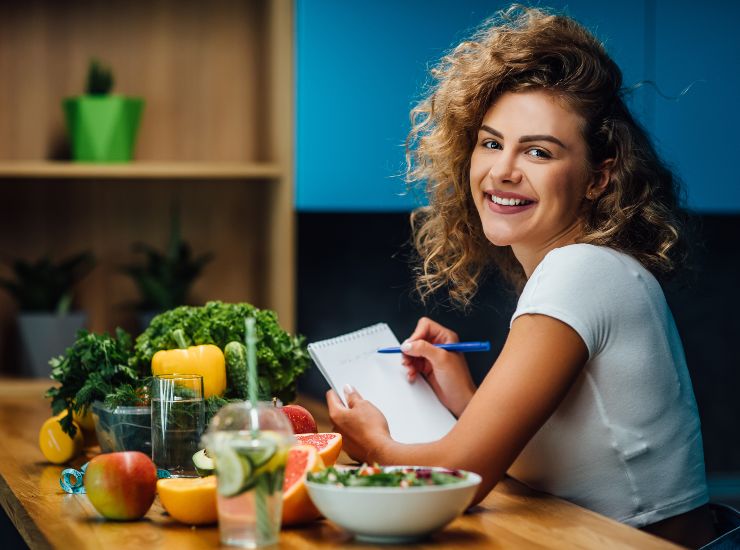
(20, 518)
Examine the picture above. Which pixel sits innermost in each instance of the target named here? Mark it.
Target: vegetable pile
(375, 476)
(103, 367)
(280, 356)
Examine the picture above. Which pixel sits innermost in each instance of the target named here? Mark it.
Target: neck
(530, 256)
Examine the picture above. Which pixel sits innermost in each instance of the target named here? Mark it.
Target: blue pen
(464, 347)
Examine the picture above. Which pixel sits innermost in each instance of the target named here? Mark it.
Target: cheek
(567, 189)
(478, 169)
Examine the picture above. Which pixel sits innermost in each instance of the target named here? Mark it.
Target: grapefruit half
(328, 444)
(297, 505)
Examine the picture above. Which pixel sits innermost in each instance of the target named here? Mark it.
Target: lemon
(57, 446)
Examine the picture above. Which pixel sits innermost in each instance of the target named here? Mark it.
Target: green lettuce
(281, 357)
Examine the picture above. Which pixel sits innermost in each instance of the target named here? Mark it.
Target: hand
(447, 372)
(363, 427)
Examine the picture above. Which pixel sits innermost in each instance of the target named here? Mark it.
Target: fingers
(337, 410)
(410, 374)
(351, 395)
(334, 404)
(332, 400)
(424, 349)
(417, 366)
(421, 329)
(429, 330)
(426, 329)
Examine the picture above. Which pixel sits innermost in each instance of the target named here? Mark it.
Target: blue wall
(699, 134)
(361, 66)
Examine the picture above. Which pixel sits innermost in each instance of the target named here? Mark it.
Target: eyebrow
(525, 139)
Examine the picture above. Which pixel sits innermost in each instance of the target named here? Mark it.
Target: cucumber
(258, 451)
(240, 464)
(203, 463)
(234, 472)
(235, 354)
(280, 454)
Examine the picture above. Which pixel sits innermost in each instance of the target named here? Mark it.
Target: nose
(505, 169)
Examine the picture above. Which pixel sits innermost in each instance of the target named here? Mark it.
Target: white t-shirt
(626, 441)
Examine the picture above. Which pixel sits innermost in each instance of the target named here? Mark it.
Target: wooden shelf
(138, 170)
(217, 78)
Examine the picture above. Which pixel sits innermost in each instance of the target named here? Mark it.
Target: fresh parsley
(95, 366)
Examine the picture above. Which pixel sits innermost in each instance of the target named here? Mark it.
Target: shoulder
(586, 267)
(587, 260)
(572, 276)
(586, 287)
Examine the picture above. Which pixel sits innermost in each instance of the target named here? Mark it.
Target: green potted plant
(102, 126)
(164, 278)
(43, 290)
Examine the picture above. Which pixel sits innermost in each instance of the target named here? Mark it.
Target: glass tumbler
(249, 446)
(178, 418)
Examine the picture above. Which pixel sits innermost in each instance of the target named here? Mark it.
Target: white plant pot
(46, 335)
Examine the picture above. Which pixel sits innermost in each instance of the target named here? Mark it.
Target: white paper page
(414, 413)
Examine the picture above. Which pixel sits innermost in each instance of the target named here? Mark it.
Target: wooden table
(512, 516)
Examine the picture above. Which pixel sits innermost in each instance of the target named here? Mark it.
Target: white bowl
(394, 514)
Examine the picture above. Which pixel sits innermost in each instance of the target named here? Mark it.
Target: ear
(601, 179)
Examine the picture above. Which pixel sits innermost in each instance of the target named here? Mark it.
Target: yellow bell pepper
(206, 360)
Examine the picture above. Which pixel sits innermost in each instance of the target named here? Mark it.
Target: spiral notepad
(414, 413)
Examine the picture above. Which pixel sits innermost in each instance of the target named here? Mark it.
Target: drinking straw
(264, 520)
(252, 360)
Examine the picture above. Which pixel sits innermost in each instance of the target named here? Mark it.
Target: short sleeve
(574, 284)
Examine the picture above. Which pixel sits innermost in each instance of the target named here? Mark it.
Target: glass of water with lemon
(249, 448)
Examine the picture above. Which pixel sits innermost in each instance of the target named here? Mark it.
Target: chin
(497, 239)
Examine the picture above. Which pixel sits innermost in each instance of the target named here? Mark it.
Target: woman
(534, 166)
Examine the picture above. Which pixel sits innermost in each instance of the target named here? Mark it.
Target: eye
(491, 144)
(539, 153)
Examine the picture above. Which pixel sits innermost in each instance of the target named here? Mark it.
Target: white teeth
(508, 202)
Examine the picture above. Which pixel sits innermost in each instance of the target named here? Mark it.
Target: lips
(507, 203)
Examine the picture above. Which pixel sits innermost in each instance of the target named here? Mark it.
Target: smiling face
(529, 173)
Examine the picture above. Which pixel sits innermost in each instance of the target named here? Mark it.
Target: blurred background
(265, 159)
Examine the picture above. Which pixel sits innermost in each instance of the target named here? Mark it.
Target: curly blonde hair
(529, 49)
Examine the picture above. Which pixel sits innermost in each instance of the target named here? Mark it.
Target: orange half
(190, 500)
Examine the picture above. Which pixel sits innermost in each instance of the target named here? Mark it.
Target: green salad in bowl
(391, 504)
(398, 476)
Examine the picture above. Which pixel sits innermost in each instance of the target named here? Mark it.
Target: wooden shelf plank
(138, 170)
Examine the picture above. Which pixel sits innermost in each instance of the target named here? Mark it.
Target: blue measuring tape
(73, 481)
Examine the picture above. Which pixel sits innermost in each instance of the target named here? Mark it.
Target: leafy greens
(281, 358)
(91, 369)
(376, 476)
(113, 369)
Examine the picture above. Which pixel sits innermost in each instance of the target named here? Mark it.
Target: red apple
(121, 485)
(302, 420)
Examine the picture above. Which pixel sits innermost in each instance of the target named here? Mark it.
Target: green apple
(122, 485)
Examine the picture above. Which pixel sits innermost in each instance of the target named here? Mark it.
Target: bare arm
(541, 359)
